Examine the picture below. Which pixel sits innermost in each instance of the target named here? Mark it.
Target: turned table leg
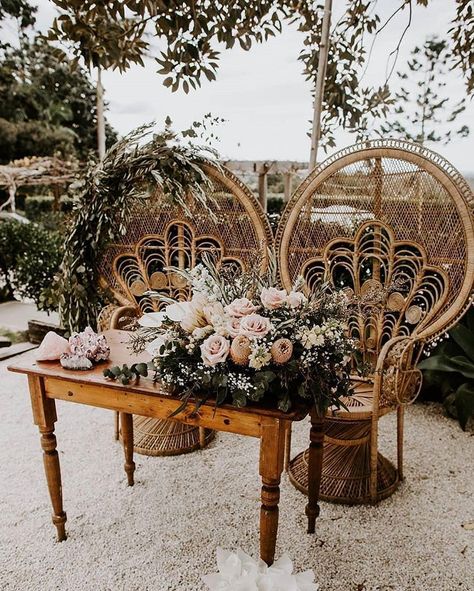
(272, 446)
(126, 421)
(44, 414)
(315, 466)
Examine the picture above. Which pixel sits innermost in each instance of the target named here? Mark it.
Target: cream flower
(296, 299)
(152, 319)
(273, 298)
(189, 314)
(255, 326)
(260, 357)
(213, 312)
(240, 307)
(214, 350)
(233, 326)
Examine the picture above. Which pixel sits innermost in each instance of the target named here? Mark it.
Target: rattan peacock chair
(160, 235)
(391, 223)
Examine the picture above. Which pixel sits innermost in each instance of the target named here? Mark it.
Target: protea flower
(282, 350)
(240, 350)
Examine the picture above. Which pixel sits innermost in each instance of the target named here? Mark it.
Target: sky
(263, 95)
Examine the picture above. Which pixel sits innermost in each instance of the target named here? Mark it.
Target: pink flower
(240, 307)
(214, 350)
(255, 326)
(296, 299)
(273, 298)
(233, 327)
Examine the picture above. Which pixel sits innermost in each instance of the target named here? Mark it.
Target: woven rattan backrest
(391, 222)
(160, 235)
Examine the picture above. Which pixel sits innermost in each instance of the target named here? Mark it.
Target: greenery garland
(106, 196)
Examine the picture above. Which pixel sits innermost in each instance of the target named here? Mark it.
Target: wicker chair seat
(360, 404)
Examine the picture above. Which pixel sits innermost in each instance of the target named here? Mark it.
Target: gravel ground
(162, 534)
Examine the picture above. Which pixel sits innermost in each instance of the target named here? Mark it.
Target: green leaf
(464, 401)
(239, 399)
(142, 369)
(465, 339)
(460, 364)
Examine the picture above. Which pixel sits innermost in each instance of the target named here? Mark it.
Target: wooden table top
(120, 354)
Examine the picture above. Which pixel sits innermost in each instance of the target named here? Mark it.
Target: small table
(48, 382)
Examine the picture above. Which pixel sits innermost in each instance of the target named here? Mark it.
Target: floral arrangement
(240, 572)
(241, 339)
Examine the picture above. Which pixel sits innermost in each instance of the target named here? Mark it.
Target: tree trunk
(100, 117)
(320, 80)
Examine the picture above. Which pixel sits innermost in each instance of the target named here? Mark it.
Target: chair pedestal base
(346, 468)
(156, 437)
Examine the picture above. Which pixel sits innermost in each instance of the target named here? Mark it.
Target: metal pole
(320, 79)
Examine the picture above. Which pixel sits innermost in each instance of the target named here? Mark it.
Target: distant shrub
(30, 256)
(41, 209)
(38, 205)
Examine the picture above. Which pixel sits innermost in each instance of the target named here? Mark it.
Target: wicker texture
(391, 223)
(160, 235)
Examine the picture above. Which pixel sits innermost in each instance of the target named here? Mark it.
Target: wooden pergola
(287, 168)
(34, 171)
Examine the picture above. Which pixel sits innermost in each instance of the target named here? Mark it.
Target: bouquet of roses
(241, 339)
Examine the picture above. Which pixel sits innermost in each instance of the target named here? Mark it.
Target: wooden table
(48, 382)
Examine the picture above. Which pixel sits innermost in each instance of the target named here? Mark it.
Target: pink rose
(214, 350)
(240, 307)
(233, 327)
(273, 298)
(296, 299)
(255, 326)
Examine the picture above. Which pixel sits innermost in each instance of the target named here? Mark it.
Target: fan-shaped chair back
(161, 235)
(391, 223)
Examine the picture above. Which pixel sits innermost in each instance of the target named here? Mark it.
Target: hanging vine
(106, 196)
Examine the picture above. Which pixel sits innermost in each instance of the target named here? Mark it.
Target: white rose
(296, 299)
(214, 350)
(273, 298)
(255, 326)
(240, 307)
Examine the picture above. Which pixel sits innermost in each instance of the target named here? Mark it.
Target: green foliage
(449, 371)
(46, 107)
(129, 173)
(126, 374)
(21, 10)
(275, 205)
(14, 336)
(424, 109)
(36, 206)
(115, 34)
(29, 258)
(47, 210)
